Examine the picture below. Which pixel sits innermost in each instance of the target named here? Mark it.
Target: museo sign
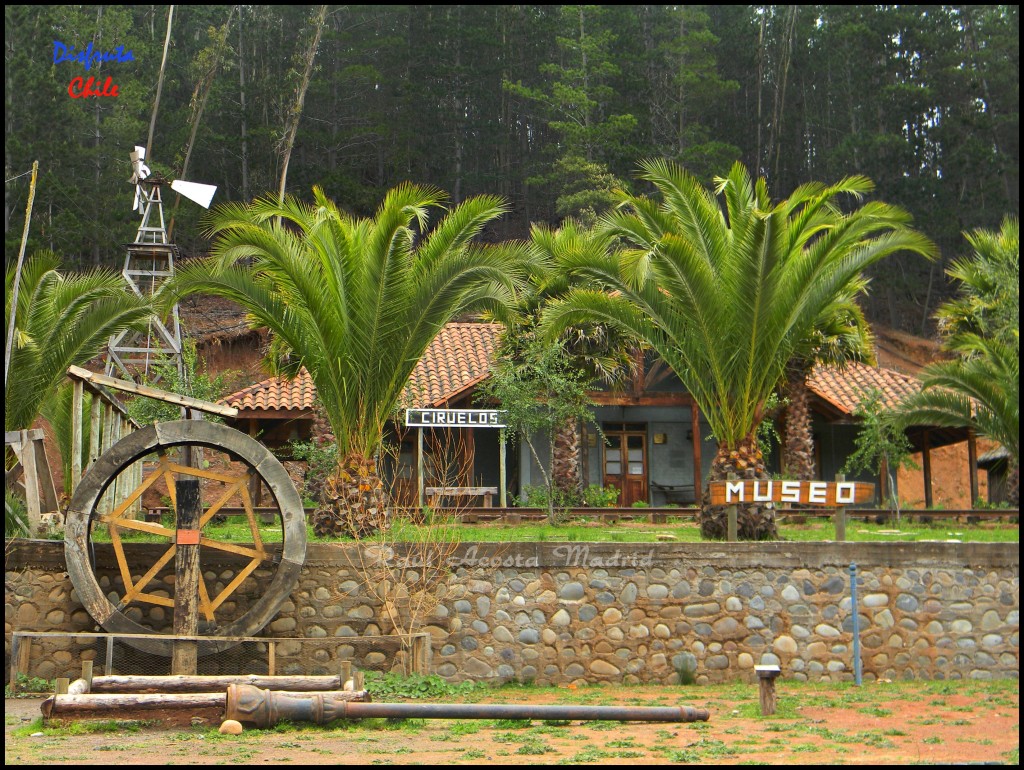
(827, 494)
(454, 418)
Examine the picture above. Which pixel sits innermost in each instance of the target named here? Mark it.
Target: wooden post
(60, 685)
(31, 476)
(840, 516)
(77, 404)
(698, 464)
(87, 673)
(94, 428)
(271, 658)
(420, 653)
(883, 482)
(420, 466)
(184, 657)
(926, 465)
(21, 650)
(106, 502)
(972, 461)
(346, 674)
(108, 668)
(732, 526)
(766, 688)
(502, 473)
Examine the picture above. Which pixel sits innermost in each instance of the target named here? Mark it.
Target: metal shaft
(502, 711)
(264, 708)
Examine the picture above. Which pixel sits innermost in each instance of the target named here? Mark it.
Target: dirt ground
(878, 723)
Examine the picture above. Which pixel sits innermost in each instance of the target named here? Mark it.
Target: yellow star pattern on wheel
(117, 521)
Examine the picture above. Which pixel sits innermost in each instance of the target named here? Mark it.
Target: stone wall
(619, 612)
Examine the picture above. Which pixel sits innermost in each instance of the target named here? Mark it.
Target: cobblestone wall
(616, 612)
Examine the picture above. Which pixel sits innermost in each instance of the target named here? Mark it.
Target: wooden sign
(828, 494)
(187, 537)
(454, 418)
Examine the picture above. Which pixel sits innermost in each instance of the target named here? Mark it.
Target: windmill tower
(149, 263)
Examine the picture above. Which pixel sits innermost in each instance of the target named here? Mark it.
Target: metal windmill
(148, 264)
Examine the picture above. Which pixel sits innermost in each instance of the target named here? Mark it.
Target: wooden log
(189, 510)
(121, 704)
(199, 684)
(91, 703)
(78, 687)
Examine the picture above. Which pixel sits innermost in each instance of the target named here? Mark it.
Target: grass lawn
(910, 528)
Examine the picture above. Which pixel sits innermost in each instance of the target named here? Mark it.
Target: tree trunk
(566, 466)
(755, 521)
(353, 501)
(292, 124)
(798, 446)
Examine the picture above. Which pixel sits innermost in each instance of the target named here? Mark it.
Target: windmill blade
(195, 192)
(140, 170)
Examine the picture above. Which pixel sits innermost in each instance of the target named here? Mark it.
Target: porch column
(926, 464)
(502, 481)
(698, 464)
(972, 462)
(420, 486)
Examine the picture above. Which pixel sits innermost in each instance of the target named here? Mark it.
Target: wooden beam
(103, 381)
(605, 398)
(16, 437)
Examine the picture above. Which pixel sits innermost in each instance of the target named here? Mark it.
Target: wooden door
(625, 464)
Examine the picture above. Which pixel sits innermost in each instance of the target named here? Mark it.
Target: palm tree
(988, 301)
(728, 297)
(356, 302)
(980, 390)
(61, 320)
(840, 336)
(601, 354)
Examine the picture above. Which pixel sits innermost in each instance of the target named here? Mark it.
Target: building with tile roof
(656, 446)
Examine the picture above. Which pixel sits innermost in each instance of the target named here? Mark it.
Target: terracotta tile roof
(275, 394)
(844, 388)
(457, 359)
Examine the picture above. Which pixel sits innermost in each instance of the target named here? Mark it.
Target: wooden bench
(678, 494)
(435, 494)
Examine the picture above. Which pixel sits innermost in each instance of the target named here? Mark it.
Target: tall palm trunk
(755, 521)
(567, 466)
(798, 447)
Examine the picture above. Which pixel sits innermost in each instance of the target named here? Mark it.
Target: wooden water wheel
(102, 575)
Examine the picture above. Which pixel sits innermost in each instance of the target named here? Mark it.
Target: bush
(537, 497)
(596, 496)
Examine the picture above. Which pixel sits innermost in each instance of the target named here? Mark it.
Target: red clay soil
(880, 723)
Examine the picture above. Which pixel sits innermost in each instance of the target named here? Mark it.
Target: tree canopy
(546, 106)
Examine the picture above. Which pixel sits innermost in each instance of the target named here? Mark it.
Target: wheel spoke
(135, 592)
